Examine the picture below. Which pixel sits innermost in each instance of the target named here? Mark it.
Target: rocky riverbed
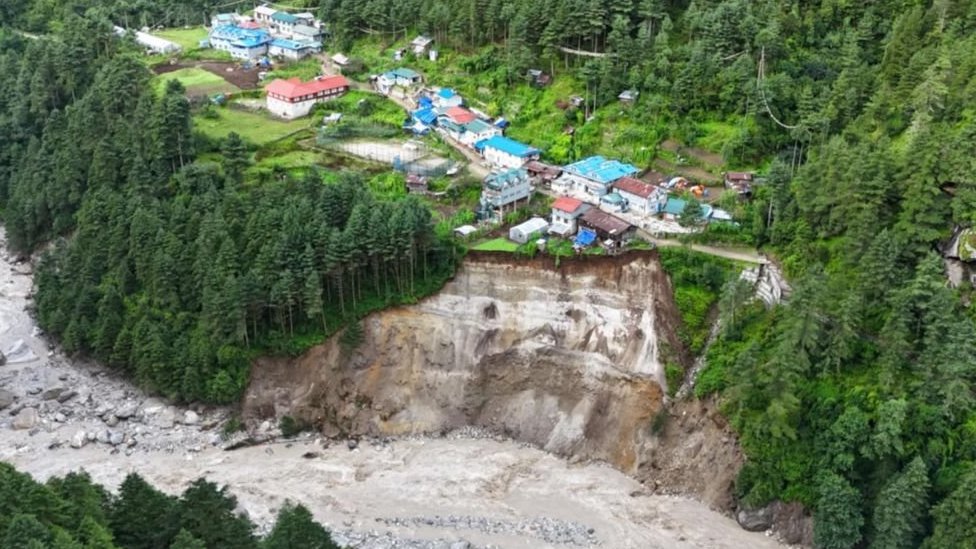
(466, 490)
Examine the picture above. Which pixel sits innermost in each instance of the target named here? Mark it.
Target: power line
(762, 90)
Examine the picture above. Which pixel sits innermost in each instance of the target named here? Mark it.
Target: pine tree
(953, 517)
(142, 517)
(25, 532)
(209, 513)
(295, 527)
(898, 516)
(837, 520)
(185, 540)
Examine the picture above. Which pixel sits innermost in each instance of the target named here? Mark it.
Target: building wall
(284, 109)
(503, 159)
(288, 53)
(507, 195)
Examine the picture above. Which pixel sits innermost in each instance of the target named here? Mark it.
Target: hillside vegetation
(856, 399)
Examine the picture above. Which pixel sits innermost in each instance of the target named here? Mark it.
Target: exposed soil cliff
(567, 357)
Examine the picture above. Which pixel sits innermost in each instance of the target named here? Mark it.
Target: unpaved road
(483, 491)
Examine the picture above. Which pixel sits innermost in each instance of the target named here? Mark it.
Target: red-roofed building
(293, 98)
(565, 212)
(460, 115)
(641, 197)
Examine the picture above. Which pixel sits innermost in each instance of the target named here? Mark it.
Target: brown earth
(567, 357)
(243, 79)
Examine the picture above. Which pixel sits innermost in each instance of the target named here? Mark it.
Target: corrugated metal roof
(508, 146)
(601, 170)
(675, 206)
(284, 17)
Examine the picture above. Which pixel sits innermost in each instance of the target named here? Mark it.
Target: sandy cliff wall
(566, 357)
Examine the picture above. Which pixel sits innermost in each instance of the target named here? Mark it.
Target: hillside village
(597, 202)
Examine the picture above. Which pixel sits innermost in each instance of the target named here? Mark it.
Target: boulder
(104, 436)
(66, 396)
(111, 420)
(165, 419)
(79, 440)
(6, 398)
(52, 394)
(60, 418)
(190, 418)
(3, 359)
(26, 419)
(755, 520)
(126, 411)
(116, 438)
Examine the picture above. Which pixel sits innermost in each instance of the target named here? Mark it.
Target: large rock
(66, 396)
(165, 418)
(52, 394)
(116, 438)
(127, 410)
(190, 418)
(80, 439)
(26, 419)
(6, 398)
(755, 520)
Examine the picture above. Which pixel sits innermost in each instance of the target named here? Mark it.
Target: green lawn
(258, 128)
(188, 39)
(197, 81)
(497, 245)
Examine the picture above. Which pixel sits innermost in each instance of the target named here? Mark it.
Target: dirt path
(736, 254)
(67, 415)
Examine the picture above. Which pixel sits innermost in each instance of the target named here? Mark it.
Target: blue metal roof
(511, 176)
(675, 206)
(446, 93)
(585, 237)
(508, 146)
(401, 73)
(601, 170)
(284, 17)
(426, 116)
(290, 44)
(245, 38)
(477, 126)
(425, 103)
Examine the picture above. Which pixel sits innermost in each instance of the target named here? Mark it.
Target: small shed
(421, 43)
(628, 97)
(340, 60)
(524, 232)
(465, 231)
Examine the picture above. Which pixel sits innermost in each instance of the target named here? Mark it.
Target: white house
(401, 77)
(447, 98)
(641, 197)
(240, 43)
(421, 43)
(525, 231)
(156, 44)
(477, 130)
(501, 151)
(593, 175)
(505, 188)
(293, 98)
(565, 214)
(262, 14)
(292, 49)
(284, 22)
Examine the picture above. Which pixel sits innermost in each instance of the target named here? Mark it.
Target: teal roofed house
(595, 174)
(402, 77)
(673, 208)
(507, 153)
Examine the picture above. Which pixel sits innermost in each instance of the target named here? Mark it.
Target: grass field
(197, 81)
(497, 245)
(188, 39)
(257, 128)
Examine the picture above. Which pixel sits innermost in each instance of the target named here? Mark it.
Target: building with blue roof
(402, 77)
(507, 153)
(446, 98)
(505, 188)
(293, 49)
(594, 175)
(240, 43)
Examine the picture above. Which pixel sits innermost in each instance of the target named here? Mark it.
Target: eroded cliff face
(569, 358)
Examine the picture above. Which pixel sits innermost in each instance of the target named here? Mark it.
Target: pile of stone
(387, 540)
(549, 530)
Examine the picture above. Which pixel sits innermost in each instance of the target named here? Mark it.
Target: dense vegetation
(180, 270)
(75, 513)
(857, 398)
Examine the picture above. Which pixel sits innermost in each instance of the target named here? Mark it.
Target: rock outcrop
(567, 357)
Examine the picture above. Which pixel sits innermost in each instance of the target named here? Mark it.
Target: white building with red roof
(641, 197)
(293, 98)
(565, 213)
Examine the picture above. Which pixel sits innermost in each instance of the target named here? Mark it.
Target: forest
(857, 398)
(73, 512)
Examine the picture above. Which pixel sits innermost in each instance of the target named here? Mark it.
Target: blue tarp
(585, 237)
(446, 93)
(425, 116)
(425, 103)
